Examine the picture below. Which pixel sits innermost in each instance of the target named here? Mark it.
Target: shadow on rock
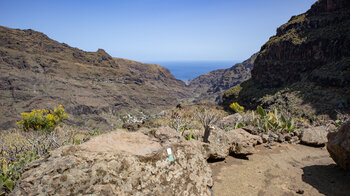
(328, 179)
(211, 160)
(239, 156)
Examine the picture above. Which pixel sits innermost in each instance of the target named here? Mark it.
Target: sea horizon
(188, 70)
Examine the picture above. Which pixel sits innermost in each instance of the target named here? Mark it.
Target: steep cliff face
(38, 72)
(307, 42)
(211, 86)
(307, 63)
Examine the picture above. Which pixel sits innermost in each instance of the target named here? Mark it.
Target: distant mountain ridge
(211, 86)
(188, 70)
(38, 72)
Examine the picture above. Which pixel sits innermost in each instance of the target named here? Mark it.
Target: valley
(87, 123)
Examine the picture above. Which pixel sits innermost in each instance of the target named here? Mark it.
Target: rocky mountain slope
(305, 67)
(211, 86)
(38, 72)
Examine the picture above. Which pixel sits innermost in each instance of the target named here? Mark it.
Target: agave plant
(272, 121)
(287, 124)
(239, 125)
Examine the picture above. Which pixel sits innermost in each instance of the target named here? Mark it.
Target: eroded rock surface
(231, 120)
(119, 163)
(242, 142)
(165, 135)
(219, 144)
(315, 136)
(237, 142)
(338, 145)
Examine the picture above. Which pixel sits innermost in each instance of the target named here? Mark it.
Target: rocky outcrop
(242, 142)
(119, 163)
(305, 67)
(218, 146)
(314, 136)
(230, 120)
(210, 86)
(38, 72)
(338, 145)
(235, 142)
(165, 135)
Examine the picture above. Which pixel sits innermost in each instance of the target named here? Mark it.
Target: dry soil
(283, 170)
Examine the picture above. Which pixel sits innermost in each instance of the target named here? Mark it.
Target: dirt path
(284, 170)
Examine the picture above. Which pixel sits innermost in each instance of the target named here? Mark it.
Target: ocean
(185, 70)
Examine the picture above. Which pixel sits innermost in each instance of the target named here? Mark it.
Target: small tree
(179, 119)
(207, 117)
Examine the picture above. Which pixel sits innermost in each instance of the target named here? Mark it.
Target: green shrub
(337, 123)
(233, 91)
(18, 148)
(12, 143)
(38, 135)
(11, 171)
(93, 133)
(42, 120)
(191, 136)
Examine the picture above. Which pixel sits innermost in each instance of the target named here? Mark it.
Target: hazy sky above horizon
(156, 30)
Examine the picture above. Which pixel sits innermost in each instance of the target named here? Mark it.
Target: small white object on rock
(169, 151)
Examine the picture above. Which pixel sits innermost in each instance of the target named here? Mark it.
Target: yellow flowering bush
(42, 120)
(237, 108)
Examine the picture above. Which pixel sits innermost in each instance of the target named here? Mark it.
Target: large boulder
(236, 142)
(314, 136)
(219, 144)
(338, 145)
(242, 142)
(230, 121)
(119, 163)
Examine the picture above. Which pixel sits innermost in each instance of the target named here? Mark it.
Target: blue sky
(156, 30)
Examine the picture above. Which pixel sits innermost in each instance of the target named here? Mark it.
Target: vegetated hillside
(305, 67)
(38, 72)
(211, 86)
